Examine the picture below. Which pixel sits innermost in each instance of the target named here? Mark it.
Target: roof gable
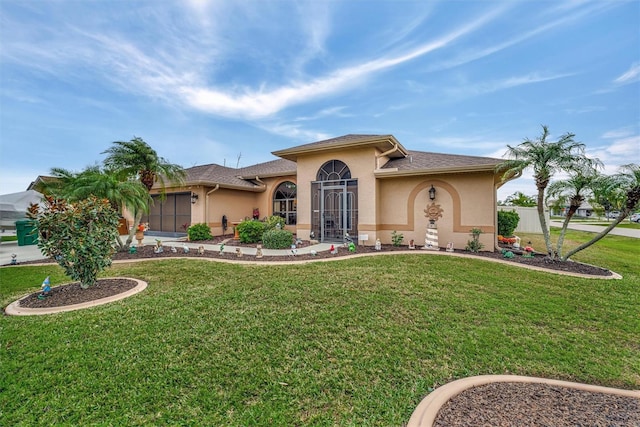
(384, 143)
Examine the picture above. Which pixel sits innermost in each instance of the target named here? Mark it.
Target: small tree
(79, 236)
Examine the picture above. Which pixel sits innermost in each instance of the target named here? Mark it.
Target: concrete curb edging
(14, 308)
(425, 413)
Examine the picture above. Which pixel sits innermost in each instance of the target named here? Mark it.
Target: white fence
(529, 222)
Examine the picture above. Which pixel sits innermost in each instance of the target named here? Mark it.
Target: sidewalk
(32, 252)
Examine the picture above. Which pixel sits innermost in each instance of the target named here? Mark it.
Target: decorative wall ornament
(433, 212)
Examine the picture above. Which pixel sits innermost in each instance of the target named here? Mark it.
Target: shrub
(250, 231)
(396, 238)
(474, 244)
(199, 232)
(277, 239)
(507, 222)
(273, 221)
(79, 236)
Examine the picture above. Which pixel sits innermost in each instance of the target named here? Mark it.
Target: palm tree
(573, 190)
(520, 199)
(93, 181)
(627, 182)
(545, 158)
(135, 159)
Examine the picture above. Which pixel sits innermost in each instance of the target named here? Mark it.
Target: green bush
(79, 236)
(277, 239)
(250, 231)
(507, 222)
(199, 232)
(273, 221)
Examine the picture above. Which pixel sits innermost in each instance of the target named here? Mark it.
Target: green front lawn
(353, 342)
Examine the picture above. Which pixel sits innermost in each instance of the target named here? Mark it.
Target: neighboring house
(365, 185)
(585, 210)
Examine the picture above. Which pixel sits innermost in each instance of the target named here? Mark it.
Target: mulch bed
(73, 293)
(504, 404)
(538, 260)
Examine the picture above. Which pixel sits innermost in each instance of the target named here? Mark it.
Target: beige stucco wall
(467, 201)
(361, 163)
(235, 204)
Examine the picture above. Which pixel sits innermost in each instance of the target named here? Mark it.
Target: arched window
(285, 203)
(333, 170)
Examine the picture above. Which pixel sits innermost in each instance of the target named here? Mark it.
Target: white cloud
(632, 75)
(295, 132)
(498, 85)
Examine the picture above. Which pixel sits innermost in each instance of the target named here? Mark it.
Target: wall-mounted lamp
(194, 198)
(432, 193)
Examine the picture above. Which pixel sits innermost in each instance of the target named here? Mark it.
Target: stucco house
(365, 185)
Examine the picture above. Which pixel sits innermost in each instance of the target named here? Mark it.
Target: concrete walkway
(32, 252)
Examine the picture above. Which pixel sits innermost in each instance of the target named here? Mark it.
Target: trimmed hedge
(251, 231)
(507, 222)
(277, 239)
(199, 232)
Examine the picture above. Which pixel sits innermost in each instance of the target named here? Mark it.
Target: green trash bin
(26, 232)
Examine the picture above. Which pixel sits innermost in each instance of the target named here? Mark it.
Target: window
(333, 170)
(285, 203)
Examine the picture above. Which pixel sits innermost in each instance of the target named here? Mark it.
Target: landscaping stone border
(427, 410)
(14, 308)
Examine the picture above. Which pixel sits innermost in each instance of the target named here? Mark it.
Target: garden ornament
(173, 249)
(516, 245)
(46, 288)
(507, 254)
(352, 247)
(259, 251)
(200, 250)
(333, 250)
(185, 248)
(411, 244)
(239, 252)
(313, 252)
(378, 245)
(132, 249)
(14, 261)
(221, 248)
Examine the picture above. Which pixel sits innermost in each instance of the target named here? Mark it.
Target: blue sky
(227, 82)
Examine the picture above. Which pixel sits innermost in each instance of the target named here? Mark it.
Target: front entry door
(336, 213)
(333, 201)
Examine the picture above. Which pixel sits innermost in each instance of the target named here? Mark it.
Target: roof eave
(395, 172)
(255, 189)
(293, 153)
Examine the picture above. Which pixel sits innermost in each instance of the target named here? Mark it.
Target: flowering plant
(506, 240)
(143, 226)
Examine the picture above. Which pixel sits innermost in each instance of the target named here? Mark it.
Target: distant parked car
(613, 214)
(635, 217)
